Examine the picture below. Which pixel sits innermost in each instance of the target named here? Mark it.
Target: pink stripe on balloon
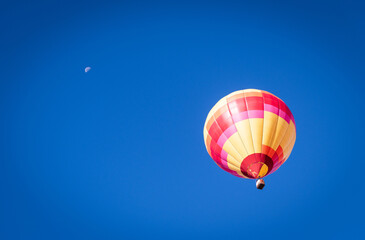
(227, 134)
(285, 116)
(229, 131)
(273, 109)
(240, 116)
(256, 114)
(222, 139)
(224, 155)
(248, 114)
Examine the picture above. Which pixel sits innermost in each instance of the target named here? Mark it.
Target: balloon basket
(260, 184)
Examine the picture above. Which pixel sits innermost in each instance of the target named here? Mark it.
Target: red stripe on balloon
(254, 103)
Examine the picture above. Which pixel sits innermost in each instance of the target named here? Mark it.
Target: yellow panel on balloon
(263, 170)
(290, 148)
(281, 128)
(229, 148)
(270, 122)
(233, 164)
(289, 135)
(256, 130)
(244, 130)
(236, 141)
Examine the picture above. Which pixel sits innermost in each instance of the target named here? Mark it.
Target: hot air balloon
(250, 134)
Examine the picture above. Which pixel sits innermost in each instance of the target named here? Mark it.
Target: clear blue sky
(118, 153)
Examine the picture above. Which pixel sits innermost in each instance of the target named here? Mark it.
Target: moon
(87, 69)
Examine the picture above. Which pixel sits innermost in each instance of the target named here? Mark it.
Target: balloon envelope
(250, 133)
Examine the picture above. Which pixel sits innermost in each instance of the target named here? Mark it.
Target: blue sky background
(118, 153)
